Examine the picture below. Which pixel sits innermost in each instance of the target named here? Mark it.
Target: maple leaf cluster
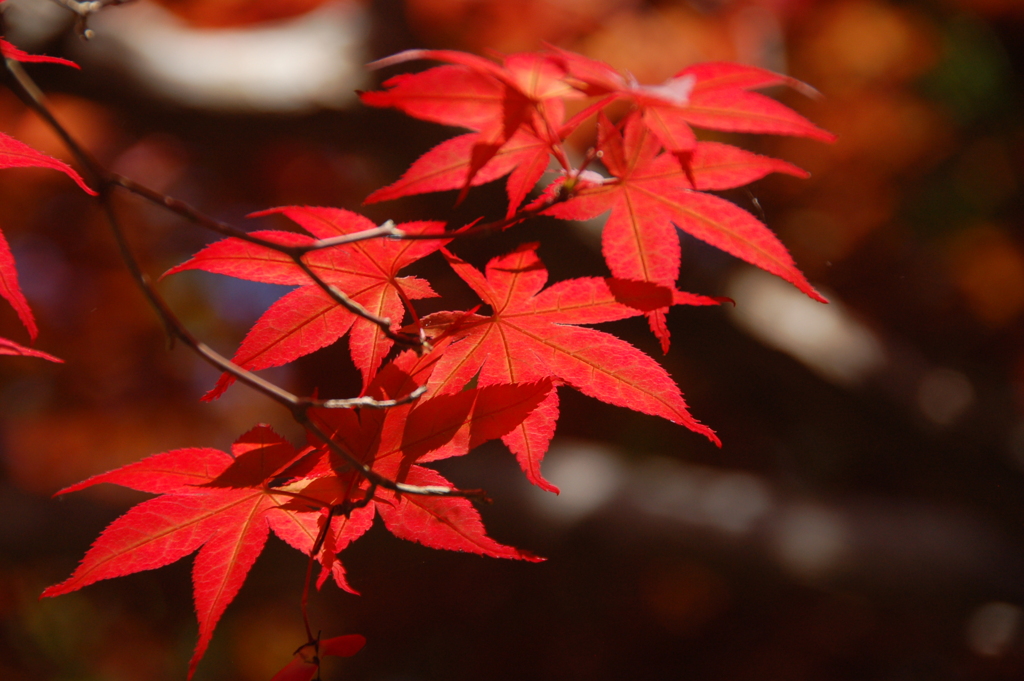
(659, 171)
(460, 377)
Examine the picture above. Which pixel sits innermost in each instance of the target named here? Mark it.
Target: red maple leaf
(9, 51)
(708, 95)
(526, 91)
(197, 508)
(650, 195)
(531, 335)
(11, 291)
(447, 165)
(9, 347)
(307, 318)
(16, 154)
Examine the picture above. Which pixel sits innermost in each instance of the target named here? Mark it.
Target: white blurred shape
(313, 60)
(703, 497)
(992, 627)
(733, 502)
(811, 541)
(826, 338)
(588, 476)
(943, 395)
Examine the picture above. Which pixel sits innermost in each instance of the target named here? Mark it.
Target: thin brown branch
(29, 93)
(186, 211)
(105, 182)
(388, 229)
(199, 218)
(496, 225)
(295, 252)
(175, 329)
(369, 402)
(83, 9)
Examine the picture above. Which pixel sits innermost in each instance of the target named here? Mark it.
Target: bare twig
(26, 89)
(370, 403)
(352, 306)
(388, 229)
(295, 252)
(103, 181)
(496, 225)
(186, 211)
(83, 9)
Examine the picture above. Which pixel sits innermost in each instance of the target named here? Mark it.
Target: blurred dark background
(864, 517)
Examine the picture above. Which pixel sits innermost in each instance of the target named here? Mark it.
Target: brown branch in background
(496, 225)
(352, 306)
(388, 229)
(103, 181)
(186, 211)
(29, 93)
(83, 9)
(296, 253)
(370, 403)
